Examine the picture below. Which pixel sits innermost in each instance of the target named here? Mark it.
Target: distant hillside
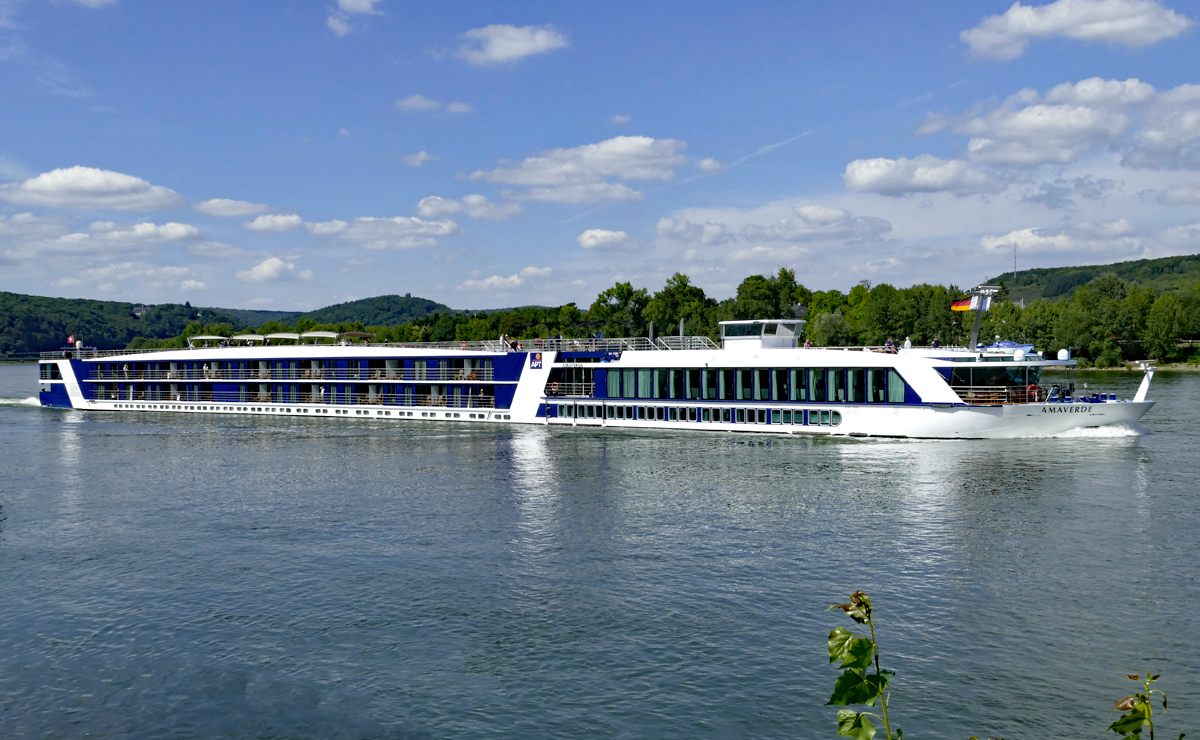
(36, 324)
(384, 310)
(1162, 275)
(246, 317)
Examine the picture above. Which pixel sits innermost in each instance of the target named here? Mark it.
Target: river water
(180, 576)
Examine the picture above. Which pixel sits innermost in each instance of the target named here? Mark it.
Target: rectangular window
(895, 388)
(837, 386)
(725, 415)
(674, 413)
(762, 415)
(796, 385)
(612, 412)
(787, 416)
(855, 390)
(614, 383)
(677, 384)
(824, 418)
(706, 415)
(728, 383)
(627, 384)
(745, 385)
(691, 413)
(741, 416)
(710, 385)
(816, 385)
(779, 385)
(876, 385)
(644, 385)
(693, 384)
(762, 385)
(775, 416)
(662, 383)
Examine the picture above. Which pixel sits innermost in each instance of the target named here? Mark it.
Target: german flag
(963, 305)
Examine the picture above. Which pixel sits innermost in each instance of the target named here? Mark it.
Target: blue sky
(296, 154)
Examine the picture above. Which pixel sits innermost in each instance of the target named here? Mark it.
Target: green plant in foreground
(857, 685)
(1138, 710)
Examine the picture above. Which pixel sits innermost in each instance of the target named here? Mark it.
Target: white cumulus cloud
(618, 119)
(338, 20)
(475, 206)
(921, 174)
(815, 222)
(683, 230)
(228, 208)
(274, 269)
(1132, 23)
(398, 232)
(1119, 237)
(172, 231)
(708, 164)
(418, 159)
(275, 222)
(498, 44)
(422, 104)
(603, 240)
(578, 174)
(90, 188)
(511, 281)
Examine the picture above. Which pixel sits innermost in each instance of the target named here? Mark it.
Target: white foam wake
(1110, 431)
(31, 401)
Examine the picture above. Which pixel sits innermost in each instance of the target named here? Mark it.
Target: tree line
(1105, 321)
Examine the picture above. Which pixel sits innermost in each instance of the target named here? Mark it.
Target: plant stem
(1149, 706)
(887, 728)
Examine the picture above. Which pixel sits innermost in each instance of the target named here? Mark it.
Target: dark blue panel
(57, 396)
(509, 366)
(504, 396)
(542, 411)
(911, 396)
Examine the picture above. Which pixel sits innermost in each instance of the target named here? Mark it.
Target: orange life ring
(462, 345)
(554, 387)
(1032, 391)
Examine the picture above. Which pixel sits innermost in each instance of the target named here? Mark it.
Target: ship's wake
(30, 401)
(1110, 431)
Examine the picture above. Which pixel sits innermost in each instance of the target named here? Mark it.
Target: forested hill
(1051, 283)
(384, 310)
(36, 324)
(243, 317)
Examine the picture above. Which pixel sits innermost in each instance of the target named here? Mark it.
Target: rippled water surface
(167, 576)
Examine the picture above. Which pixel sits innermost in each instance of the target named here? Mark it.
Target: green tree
(831, 330)
(617, 312)
(1165, 324)
(679, 299)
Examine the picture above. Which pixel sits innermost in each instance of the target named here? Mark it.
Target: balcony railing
(398, 375)
(991, 395)
(357, 399)
(570, 390)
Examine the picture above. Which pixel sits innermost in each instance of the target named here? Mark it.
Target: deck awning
(289, 335)
(353, 334)
(206, 338)
(246, 338)
(319, 335)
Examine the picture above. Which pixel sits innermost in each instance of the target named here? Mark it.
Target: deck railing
(330, 399)
(991, 395)
(570, 390)
(406, 374)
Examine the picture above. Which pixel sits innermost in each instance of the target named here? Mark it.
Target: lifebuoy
(1032, 390)
(462, 345)
(554, 387)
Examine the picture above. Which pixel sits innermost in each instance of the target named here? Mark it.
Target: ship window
(775, 416)
(816, 385)
(693, 384)
(728, 383)
(837, 386)
(677, 378)
(762, 416)
(895, 387)
(824, 418)
(710, 385)
(787, 416)
(855, 390)
(876, 385)
(745, 385)
(614, 383)
(835, 418)
(725, 415)
(796, 385)
(762, 385)
(691, 413)
(706, 415)
(779, 388)
(741, 416)
(627, 377)
(674, 414)
(741, 330)
(644, 384)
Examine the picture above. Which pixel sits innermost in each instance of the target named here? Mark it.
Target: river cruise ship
(759, 379)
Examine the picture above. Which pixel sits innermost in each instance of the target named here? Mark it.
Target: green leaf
(852, 687)
(855, 725)
(854, 651)
(1131, 724)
